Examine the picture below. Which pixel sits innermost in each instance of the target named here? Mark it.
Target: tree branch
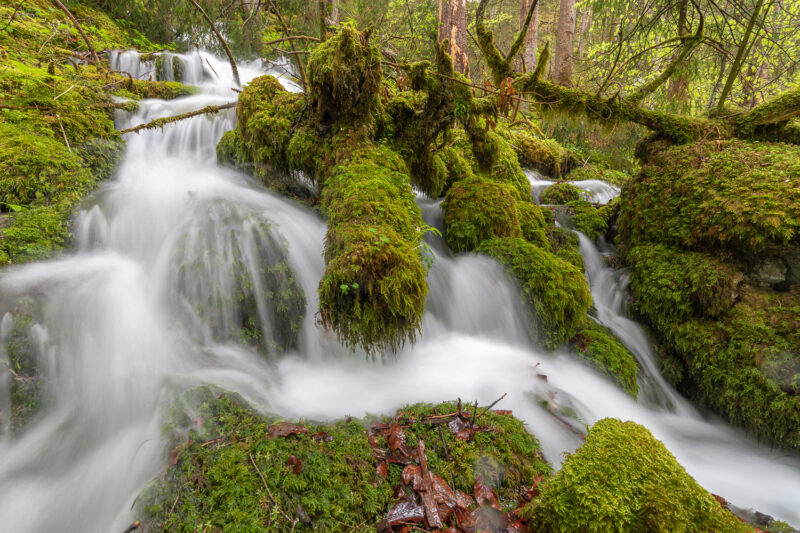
(221, 40)
(96, 60)
(160, 122)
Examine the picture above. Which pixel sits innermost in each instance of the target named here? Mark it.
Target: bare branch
(221, 40)
(159, 122)
(95, 59)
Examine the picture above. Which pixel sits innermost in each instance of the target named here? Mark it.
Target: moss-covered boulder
(565, 244)
(622, 479)
(710, 233)
(243, 471)
(587, 218)
(555, 290)
(599, 346)
(561, 193)
(543, 155)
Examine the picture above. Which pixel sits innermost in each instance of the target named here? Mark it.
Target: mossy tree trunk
(453, 27)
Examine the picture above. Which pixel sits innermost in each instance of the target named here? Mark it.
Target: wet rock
(768, 272)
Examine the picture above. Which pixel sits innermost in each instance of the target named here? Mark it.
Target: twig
(65, 92)
(292, 38)
(80, 30)
(269, 492)
(221, 40)
(46, 41)
(212, 69)
(64, 133)
(157, 123)
(132, 527)
(474, 412)
(446, 453)
(291, 42)
(14, 14)
(491, 405)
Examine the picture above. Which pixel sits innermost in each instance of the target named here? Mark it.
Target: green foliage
(555, 290)
(599, 346)
(213, 482)
(623, 479)
(561, 193)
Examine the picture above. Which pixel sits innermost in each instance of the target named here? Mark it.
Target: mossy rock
(546, 156)
(623, 479)
(555, 290)
(561, 193)
(670, 285)
(565, 244)
(599, 346)
(534, 223)
(712, 195)
(595, 172)
(497, 160)
(588, 219)
(478, 209)
(325, 476)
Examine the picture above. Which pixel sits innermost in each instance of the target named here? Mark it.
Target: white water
(117, 342)
(596, 191)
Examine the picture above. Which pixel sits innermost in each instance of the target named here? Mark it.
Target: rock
(768, 272)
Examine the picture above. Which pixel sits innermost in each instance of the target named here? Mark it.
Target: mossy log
(161, 122)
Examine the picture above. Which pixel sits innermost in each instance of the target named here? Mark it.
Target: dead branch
(96, 60)
(133, 527)
(490, 406)
(221, 40)
(501, 65)
(14, 14)
(285, 26)
(292, 38)
(269, 492)
(160, 122)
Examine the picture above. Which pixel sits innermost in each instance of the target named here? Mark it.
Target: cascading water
(176, 256)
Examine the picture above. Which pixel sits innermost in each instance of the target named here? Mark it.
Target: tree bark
(528, 55)
(328, 16)
(222, 42)
(740, 55)
(565, 38)
(453, 26)
(678, 89)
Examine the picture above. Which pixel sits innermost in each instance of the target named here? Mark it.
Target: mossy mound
(710, 233)
(600, 347)
(237, 471)
(561, 193)
(732, 195)
(534, 222)
(373, 291)
(546, 156)
(623, 479)
(241, 290)
(596, 172)
(478, 209)
(344, 76)
(556, 290)
(588, 219)
(565, 244)
(497, 160)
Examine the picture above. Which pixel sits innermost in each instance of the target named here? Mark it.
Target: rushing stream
(117, 335)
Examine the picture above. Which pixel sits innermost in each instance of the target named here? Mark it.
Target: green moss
(597, 172)
(373, 291)
(556, 291)
(670, 285)
(213, 482)
(623, 479)
(587, 218)
(565, 244)
(599, 346)
(477, 209)
(546, 156)
(561, 193)
(497, 159)
(26, 389)
(344, 77)
(715, 195)
(534, 224)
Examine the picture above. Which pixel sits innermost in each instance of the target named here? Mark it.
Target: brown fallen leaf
(284, 429)
(402, 512)
(382, 470)
(485, 495)
(322, 437)
(295, 463)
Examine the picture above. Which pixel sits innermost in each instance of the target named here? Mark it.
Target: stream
(117, 337)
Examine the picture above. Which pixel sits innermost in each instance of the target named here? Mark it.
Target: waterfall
(177, 258)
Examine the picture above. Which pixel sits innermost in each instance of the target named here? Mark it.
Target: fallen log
(160, 122)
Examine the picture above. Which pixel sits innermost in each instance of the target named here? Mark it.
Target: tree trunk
(740, 56)
(586, 21)
(453, 26)
(678, 89)
(528, 55)
(328, 16)
(565, 37)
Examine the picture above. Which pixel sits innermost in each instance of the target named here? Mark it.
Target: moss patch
(325, 476)
(556, 291)
(623, 479)
(588, 219)
(561, 193)
(599, 346)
